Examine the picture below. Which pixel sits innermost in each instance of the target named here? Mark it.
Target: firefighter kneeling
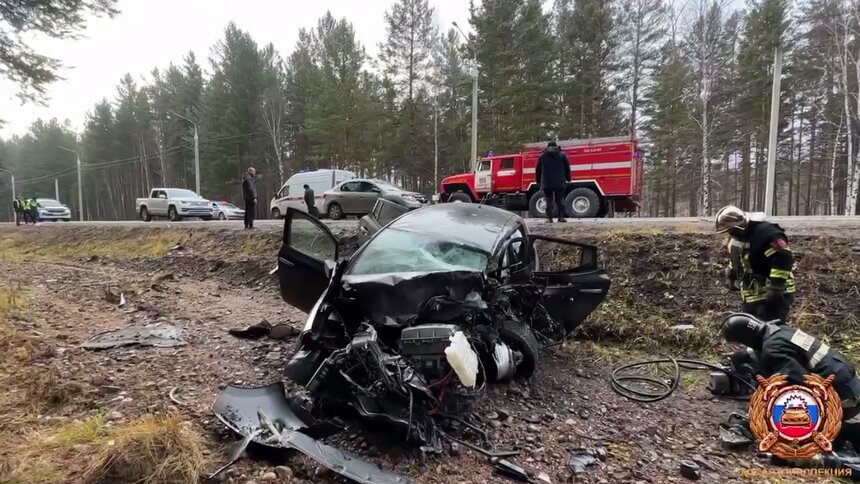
(784, 350)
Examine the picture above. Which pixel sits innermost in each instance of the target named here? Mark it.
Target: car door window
(364, 187)
(350, 187)
(507, 164)
(310, 239)
(574, 284)
(386, 211)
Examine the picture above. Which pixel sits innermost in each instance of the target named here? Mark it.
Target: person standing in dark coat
(249, 194)
(310, 201)
(552, 173)
(18, 205)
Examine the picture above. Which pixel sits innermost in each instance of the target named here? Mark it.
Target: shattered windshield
(400, 251)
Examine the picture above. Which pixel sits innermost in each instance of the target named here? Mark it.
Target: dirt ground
(218, 280)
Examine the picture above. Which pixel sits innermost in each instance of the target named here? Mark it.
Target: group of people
(762, 271)
(26, 209)
(249, 195)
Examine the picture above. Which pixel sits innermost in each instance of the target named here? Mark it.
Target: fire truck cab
(606, 177)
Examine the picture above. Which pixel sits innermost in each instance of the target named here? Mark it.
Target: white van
(292, 194)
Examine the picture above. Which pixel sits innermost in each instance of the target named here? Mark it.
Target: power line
(136, 159)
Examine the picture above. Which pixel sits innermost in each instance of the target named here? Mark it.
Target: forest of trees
(692, 79)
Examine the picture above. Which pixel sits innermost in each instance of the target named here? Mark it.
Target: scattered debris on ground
(158, 335)
(569, 407)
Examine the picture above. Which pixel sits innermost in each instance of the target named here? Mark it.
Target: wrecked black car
(436, 304)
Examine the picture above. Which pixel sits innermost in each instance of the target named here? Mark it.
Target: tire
(334, 211)
(173, 215)
(520, 338)
(276, 213)
(537, 205)
(582, 203)
(221, 216)
(460, 197)
(67, 220)
(604, 209)
(144, 215)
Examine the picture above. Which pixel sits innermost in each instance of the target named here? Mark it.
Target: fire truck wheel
(462, 197)
(582, 203)
(537, 205)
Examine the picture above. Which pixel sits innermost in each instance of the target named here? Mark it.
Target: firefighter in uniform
(781, 349)
(761, 264)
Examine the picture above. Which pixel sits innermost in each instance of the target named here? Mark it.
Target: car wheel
(276, 214)
(144, 215)
(335, 212)
(521, 339)
(582, 203)
(537, 205)
(221, 216)
(173, 215)
(460, 197)
(67, 220)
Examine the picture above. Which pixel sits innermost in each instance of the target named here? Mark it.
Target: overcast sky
(153, 33)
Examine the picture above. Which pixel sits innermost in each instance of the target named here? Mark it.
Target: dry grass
(92, 431)
(154, 449)
(45, 390)
(253, 245)
(60, 246)
(16, 348)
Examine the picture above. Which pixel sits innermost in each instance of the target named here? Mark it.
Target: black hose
(665, 388)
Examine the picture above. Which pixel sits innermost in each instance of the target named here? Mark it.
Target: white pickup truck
(173, 203)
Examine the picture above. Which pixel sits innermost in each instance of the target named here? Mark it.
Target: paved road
(846, 226)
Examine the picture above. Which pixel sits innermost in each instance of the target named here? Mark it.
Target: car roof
(474, 225)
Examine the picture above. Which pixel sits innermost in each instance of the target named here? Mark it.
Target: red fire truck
(607, 175)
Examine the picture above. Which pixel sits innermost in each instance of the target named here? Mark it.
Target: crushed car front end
(437, 304)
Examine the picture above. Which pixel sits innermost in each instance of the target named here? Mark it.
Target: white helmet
(730, 217)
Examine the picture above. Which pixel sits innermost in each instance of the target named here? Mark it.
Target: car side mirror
(375, 190)
(162, 196)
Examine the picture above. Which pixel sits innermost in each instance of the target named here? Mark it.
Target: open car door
(384, 211)
(575, 285)
(306, 259)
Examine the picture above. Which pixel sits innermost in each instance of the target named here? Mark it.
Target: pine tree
(406, 55)
(642, 29)
(58, 19)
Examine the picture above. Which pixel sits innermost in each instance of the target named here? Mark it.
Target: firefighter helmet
(744, 329)
(730, 217)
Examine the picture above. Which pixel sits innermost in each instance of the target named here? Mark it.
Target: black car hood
(395, 300)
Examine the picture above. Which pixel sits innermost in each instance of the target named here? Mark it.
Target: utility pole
(13, 189)
(196, 153)
(474, 72)
(774, 128)
(56, 189)
(435, 144)
(80, 184)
